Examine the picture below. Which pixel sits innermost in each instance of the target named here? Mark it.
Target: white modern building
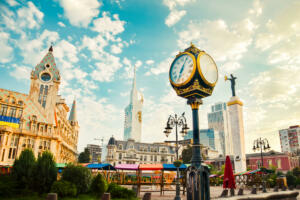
(133, 114)
(218, 120)
(131, 152)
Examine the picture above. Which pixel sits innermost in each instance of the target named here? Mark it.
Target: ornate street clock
(193, 73)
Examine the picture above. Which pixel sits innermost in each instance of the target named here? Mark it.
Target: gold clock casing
(200, 71)
(192, 74)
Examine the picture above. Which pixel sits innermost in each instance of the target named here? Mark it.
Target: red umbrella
(228, 175)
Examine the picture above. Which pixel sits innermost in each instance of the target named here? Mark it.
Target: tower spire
(134, 90)
(72, 117)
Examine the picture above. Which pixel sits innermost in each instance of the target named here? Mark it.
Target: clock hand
(181, 70)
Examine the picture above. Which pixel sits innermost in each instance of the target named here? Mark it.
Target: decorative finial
(192, 45)
(51, 48)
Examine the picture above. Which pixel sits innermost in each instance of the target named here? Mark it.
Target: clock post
(193, 75)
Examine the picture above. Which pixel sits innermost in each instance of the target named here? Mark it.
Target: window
(145, 158)
(120, 156)
(13, 111)
(269, 162)
(9, 154)
(155, 158)
(120, 147)
(43, 95)
(279, 163)
(20, 113)
(258, 164)
(20, 103)
(3, 110)
(3, 154)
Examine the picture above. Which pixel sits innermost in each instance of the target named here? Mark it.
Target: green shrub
(296, 172)
(64, 189)
(8, 185)
(117, 191)
(46, 172)
(297, 181)
(99, 185)
(290, 178)
(23, 169)
(271, 180)
(78, 175)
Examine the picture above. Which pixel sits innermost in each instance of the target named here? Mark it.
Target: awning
(150, 166)
(84, 164)
(104, 166)
(171, 167)
(61, 165)
(127, 166)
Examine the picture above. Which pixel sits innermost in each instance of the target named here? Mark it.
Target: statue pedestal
(235, 108)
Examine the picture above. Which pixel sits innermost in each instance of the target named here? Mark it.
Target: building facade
(131, 152)
(38, 120)
(133, 114)
(218, 119)
(95, 153)
(208, 138)
(282, 161)
(290, 139)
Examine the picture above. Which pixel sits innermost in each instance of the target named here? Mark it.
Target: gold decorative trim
(195, 103)
(195, 86)
(235, 102)
(200, 71)
(192, 74)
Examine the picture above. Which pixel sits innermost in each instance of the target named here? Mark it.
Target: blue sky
(97, 43)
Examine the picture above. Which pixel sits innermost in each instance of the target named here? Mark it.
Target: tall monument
(133, 114)
(235, 108)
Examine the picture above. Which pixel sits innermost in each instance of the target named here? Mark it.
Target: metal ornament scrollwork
(194, 86)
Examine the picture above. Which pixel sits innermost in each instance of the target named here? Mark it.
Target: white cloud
(107, 25)
(283, 27)
(95, 45)
(116, 49)
(174, 17)
(21, 72)
(138, 63)
(257, 8)
(34, 50)
(30, 17)
(6, 51)
(221, 41)
(150, 62)
(80, 13)
(106, 68)
(162, 67)
(61, 24)
(12, 2)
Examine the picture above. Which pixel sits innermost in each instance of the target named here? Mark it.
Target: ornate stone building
(131, 152)
(133, 114)
(38, 120)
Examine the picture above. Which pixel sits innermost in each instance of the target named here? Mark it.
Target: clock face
(208, 69)
(182, 69)
(46, 77)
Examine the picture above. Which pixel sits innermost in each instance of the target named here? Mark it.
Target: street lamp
(177, 122)
(261, 144)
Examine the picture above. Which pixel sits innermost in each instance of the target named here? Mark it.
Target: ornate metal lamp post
(261, 144)
(171, 123)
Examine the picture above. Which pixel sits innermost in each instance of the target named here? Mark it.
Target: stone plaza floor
(215, 193)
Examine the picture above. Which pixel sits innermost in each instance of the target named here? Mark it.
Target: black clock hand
(182, 68)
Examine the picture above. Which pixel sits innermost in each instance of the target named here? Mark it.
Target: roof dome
(112, 141)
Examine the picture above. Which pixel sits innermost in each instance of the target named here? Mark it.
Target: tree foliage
(23, 169)
(84, 157)
(99, 185)
(64, 189)
(187, 153)
(46, 172)
(78, 175)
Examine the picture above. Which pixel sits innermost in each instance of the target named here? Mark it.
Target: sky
(97, 44)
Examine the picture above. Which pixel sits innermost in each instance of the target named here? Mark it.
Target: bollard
(147, 196)
(298, 187)
(254, 191)
(51, 196)
(231, 192)
(291, 187)
(106, 196)
(241, 191)
(224, 193)
(276, 188)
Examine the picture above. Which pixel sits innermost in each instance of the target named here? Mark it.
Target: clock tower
(45, 80)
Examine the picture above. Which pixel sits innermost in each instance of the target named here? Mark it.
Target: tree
(23, 169)
(187, 154)
(84, 157)
(78, 175)
(46, 172)
(99, 185)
